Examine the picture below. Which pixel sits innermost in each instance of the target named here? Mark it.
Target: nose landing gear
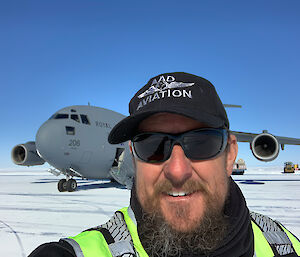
(69, 185)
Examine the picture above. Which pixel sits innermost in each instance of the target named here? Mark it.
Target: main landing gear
(69, 185)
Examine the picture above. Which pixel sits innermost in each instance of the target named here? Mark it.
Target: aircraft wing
(248, 137)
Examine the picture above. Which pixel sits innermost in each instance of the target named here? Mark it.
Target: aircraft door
(120, 170)
(118, 157)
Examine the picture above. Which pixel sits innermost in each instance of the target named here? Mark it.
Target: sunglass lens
(152, 147)
(203, 144)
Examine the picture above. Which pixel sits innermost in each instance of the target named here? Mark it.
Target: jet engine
(265, 147)
(26, 155)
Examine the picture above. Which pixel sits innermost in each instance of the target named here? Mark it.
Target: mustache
(190, 186)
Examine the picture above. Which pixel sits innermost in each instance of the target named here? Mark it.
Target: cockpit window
(85, 119)
(75, 117)
(61, 116)
(72, 110)
(52, 117)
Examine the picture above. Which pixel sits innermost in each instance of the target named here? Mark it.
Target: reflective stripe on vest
(295, 241)
(280, 241)
(261, 245)
(133, 232)
(93, 244)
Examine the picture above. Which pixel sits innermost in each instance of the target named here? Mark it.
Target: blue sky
(60, 53)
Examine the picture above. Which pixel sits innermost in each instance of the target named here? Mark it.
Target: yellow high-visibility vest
(92, 243)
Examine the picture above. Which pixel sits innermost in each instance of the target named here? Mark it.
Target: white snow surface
(33, 212)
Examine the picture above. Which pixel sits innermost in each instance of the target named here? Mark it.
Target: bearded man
(183, 200)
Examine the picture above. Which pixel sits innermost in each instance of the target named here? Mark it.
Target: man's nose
(178, 168)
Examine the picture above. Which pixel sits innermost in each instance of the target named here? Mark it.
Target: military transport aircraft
(74, 142)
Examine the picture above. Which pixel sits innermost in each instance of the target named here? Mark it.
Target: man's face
(204, 184)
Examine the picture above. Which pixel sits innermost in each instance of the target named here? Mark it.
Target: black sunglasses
(199, 144)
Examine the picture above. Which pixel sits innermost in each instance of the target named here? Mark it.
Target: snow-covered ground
(32, 211)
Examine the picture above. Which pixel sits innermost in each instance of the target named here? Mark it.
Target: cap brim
(126, 129)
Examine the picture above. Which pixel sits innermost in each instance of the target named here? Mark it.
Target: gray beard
(160, 239)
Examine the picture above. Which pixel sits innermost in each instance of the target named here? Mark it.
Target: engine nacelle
(26, 155)
(265, 147)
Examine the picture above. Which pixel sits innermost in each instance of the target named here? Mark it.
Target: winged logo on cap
(164, 85)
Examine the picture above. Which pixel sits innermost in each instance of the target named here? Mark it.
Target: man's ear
(232, 152)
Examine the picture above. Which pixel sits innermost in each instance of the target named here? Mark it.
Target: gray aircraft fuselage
(66, 143)
(74, 141)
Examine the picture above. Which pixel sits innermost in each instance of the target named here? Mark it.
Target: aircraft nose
(48, 140)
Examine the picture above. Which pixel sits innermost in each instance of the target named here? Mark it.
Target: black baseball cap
(178, 92)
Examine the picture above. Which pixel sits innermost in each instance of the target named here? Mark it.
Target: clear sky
(68, 52)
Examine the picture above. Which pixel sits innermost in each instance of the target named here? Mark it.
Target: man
(183, 201)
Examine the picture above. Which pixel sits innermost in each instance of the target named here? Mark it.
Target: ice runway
(32, 211)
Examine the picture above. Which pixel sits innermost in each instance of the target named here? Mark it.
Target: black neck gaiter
(238, 241)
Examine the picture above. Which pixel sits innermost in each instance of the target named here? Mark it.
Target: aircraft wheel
(71, 185)
(62, 185)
